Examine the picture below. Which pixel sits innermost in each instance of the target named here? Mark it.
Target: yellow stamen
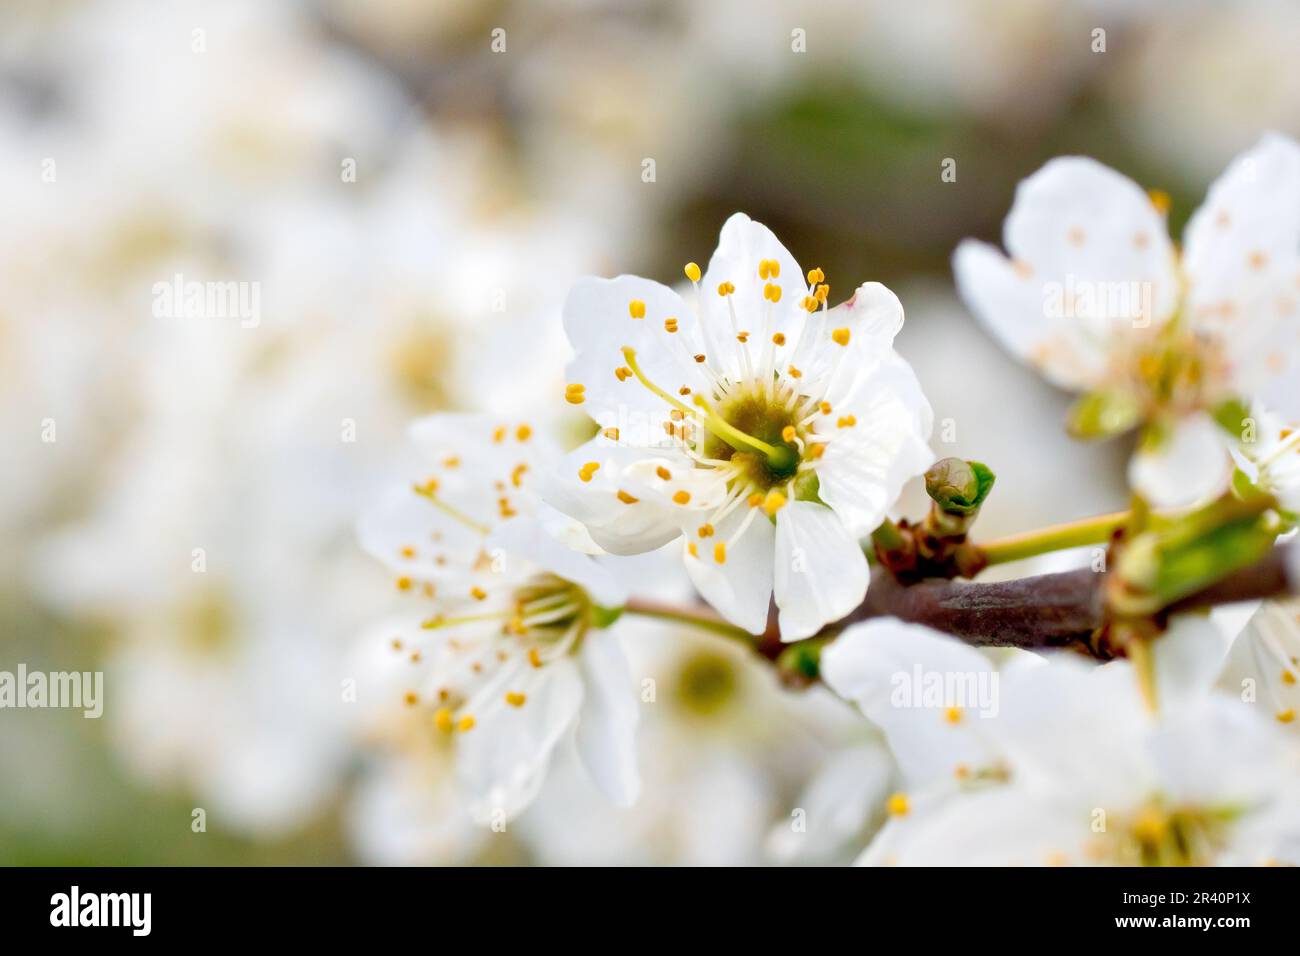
(466, 723)
(706, 531)
(574, 394)
(898, 805)
(636, 308)
(726, 288)
(442, 720)
(815, 276)
(682, 497)
(840, 336)
(788, 433)
(778, 338)
(534, 657)
(411, 698)
(773, 503)
(670, 325)
(515, 699)
(587, 470)
(1286, 716)
(404, 583)
(523, 433)
(627, 499)
(477, 593)
(720, 552)
(952, 715)
(692, 272)
(664, 473)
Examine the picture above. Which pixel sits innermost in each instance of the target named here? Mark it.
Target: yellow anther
(682, 497)
(725, 288)
(815, 451)
(778, 338)
(523, 433)
(706, 531)
(692, 272)
(763, 272)
(809, 304)
(442, 720)
(404, 583)
(815, 276)
(670, 325)
(1160, 199)
(720, 552)
(952, 715)
(515, 699)
(897, 805)
(517, 475)
(411, 698)
(742, 337)
(664, 473)
(452, 462)
(408, 552)
(684, 390)
(774, 268)
(627, 499)
(397, 643)
(693, 551)
(793, 372)
(499, 434)
(589, 469)
(1286, 716)
(699, 358)
(534, 657)
(772, 292)
(755, 500)
(466, 723)
(636, 309)
(840, 336)
(821, 293)
(611, 434)
(1288, 677)
(788, 433)
(623, 373)
(824, 407)
(773, 503)
(477, 593)
(845, 421)
(574, 394)
(961, 771)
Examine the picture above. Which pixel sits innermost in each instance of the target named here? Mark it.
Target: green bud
(959, 487)
(604, 616)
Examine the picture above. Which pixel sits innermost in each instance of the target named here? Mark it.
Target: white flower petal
(607, 723)
(600, 500)
(821, 572)
(739, 588)
(598, 322)
(528, 539)
(1191, 465)
(1089, 258)
(742, 245)
(1242, 261)
(502, 761)
(897, 674)
(866, 465)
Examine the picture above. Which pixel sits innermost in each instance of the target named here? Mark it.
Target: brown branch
(1050, 610)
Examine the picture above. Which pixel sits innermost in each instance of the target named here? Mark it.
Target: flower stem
(1072, 534)
(703, 619)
